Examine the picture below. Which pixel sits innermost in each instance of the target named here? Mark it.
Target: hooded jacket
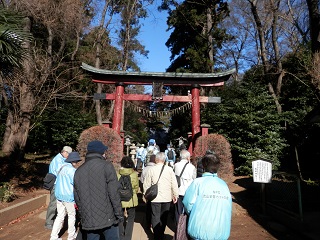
(96, 193)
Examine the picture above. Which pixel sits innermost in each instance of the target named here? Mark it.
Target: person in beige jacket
(167, 192)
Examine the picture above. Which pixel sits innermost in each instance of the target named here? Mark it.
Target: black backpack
(126, 192)
(170, 154)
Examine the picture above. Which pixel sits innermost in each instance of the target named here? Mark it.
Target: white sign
(262, 171)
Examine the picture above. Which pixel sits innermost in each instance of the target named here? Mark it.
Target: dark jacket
(96, 193)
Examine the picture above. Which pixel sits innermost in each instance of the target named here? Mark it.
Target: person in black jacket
(96, 193)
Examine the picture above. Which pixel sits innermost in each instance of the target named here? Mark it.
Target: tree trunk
(264, 57)
(275, 98)
(314, 23)
(98, 60)
(16, 135)
(210, 38)
(280, 71)
(262, 39)
(98, 105)
(111, 109)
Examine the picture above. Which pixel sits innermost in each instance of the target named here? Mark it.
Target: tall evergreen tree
(196, 34)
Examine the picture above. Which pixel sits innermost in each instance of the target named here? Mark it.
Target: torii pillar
(195, 112)
(118, 104)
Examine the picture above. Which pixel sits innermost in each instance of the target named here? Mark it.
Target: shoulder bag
(49, 180)
(152, 191)
(179, 176)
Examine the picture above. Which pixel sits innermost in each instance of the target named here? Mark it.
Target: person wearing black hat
(65, 198)
(96, 193)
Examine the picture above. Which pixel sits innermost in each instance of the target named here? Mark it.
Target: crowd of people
(89, 194)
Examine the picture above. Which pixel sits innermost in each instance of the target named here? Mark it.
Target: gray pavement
(31, 225)
(25, 220)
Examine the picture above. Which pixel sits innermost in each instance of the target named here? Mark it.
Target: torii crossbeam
(194, 80)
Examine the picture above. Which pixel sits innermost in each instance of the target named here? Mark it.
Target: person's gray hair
(160, 157)
(184, 154)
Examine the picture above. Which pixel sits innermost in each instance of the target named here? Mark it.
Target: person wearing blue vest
(65, 198)
(54, 167)
(208, 203)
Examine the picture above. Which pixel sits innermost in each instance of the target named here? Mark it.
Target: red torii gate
(194, 80)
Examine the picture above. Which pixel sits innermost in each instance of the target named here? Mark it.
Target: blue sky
(153, 36)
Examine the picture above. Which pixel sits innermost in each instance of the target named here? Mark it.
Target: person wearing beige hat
(54, 167)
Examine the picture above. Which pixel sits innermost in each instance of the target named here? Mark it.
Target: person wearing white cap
(54, 167)
(65, 198)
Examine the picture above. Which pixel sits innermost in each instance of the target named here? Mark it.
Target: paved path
(31, 226)
(244, 227)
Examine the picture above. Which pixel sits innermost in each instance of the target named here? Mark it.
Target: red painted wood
(117, 113)
(205, 131)
(195, 113)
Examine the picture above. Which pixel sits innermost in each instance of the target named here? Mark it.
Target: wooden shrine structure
(194, 80)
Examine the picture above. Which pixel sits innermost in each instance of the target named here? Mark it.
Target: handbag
(50, 179)
(179, 176)
(152, 191)
(182, 232)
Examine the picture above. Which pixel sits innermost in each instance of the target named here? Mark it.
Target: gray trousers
(52, 208)
(126, 227)
(160, 212)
